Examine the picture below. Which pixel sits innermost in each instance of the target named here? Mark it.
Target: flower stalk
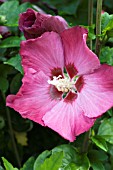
(98, 26)
(85, 144)
(90, 18)
(12, 134)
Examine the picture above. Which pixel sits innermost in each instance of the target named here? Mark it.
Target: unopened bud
(2, 19)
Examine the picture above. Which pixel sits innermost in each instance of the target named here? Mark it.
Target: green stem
(11, 133)
(90, 17)
(86, 142)
(98, 26)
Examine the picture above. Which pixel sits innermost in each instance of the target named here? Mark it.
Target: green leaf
(82, 13)
(11, 11)
(72, 156)
(2, 122)
(106, 22)
(3, 84)
(97, 155)
(108, 166)
(24, 6)
(110, 33)
(97, 166)
(70, 8)
(97, 158)
(75, 12)
(110, 149)
(15, 83)
(5, 70)
(100, 142)
(106, 130)
(106, 55)
(41, 158)
(8, 165)
(53, 162)
(91, 33)
(71, 166)
(29, 164)
(10, 42)
(15, 62)
(110, 112)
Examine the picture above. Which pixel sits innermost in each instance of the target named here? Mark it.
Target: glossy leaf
(28, 165)
(41, 158)
(8, 165)
(71, 166)
(5, 70)
(106, 55)
(106, 130)
(97, 155)
(15, 83)
(72, 156)
(9, 42)
(3, 84)
(24, 6)
(91, 34)
(97, 159)
(53, 162)
(100, 142)
(107, 22)
(97, 166)
(15, 62)
(11, 10)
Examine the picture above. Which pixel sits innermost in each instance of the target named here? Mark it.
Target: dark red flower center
(64, 84)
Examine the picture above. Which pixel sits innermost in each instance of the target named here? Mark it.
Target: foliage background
(20, 138)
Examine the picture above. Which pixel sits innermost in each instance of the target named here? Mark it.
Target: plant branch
(90, 17)
(98, 26)
(86, 142)
(11, 133)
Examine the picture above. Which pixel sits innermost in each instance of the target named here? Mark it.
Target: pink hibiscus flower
(33, 24)
(64, 86)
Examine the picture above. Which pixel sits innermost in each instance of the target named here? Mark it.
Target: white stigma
(62, 84)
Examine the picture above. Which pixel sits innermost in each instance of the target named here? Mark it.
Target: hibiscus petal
(33, 99)
(68, 120)
(34, 24)
(54, 23)
(96, 96)
(44, 53)
(77, 52)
